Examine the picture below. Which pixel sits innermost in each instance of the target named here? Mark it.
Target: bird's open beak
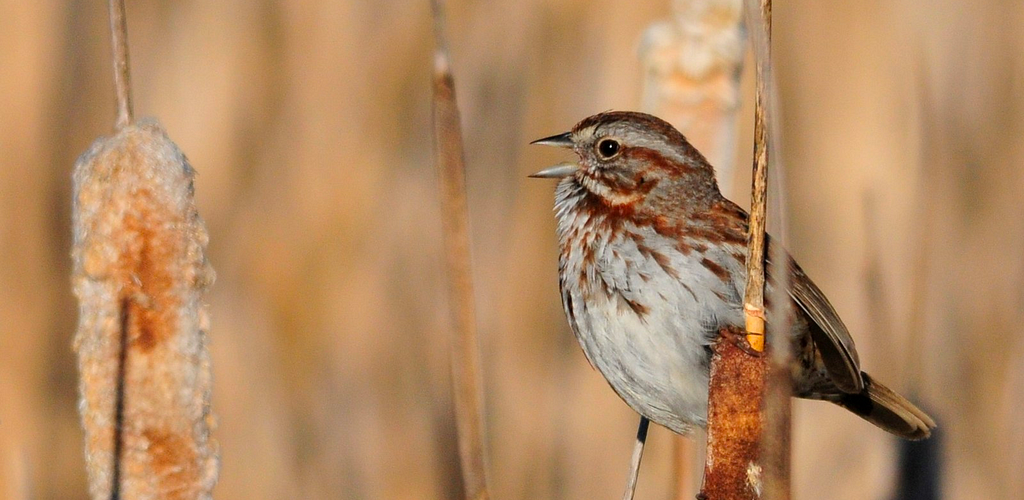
(563, 169)
(560, 140)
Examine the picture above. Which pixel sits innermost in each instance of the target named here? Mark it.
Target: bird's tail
(886, 409)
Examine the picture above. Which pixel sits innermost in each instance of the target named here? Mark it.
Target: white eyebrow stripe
(587, 132)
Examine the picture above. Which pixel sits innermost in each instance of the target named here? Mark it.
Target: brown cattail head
(139, 275)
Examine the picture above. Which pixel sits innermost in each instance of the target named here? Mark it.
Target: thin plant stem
(682, 463)
(774, 453)
(753, 296)
(638, 454)
(122, 67)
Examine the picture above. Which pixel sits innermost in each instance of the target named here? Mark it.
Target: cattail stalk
(139, 274)
(732, 468)
(465, 363)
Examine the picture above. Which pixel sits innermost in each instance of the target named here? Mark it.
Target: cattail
(139, 275)
(692, 66)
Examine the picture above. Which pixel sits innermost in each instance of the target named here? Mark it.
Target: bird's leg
(638, 453)
(738, 337)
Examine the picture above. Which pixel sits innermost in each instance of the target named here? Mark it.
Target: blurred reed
(139, 273)
(465, 356)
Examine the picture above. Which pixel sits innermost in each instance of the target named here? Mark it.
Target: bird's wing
(831, 337)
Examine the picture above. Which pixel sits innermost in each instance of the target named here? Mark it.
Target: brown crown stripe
(654, 160)
(645, 121)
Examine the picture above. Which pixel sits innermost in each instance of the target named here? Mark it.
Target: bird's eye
(608, 148)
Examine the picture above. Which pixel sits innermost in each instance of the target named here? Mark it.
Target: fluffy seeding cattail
(139, 275)
(692, 65)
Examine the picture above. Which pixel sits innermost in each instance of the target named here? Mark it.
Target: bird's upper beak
(563, 169)
(560, 140)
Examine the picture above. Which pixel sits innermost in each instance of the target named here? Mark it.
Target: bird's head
(625, 157)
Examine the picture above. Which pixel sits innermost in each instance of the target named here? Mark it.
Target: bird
(651, 270)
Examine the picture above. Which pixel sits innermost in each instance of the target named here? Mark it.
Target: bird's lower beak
(563, 169)
(560, 140)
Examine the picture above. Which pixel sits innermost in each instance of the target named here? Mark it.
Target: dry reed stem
(139, 275)
(455, 216)
(753, 296)
(924, 222)
(776, 458)
(692, 66)
(683, 456)
(122, 68)
(876, 296)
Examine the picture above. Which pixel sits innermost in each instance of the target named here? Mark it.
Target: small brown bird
(652, 267)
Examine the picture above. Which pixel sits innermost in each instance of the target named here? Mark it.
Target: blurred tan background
(309, 124)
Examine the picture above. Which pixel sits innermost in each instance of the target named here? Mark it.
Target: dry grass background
(309, 126)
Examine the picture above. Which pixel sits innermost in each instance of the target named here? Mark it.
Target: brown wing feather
(831, 337)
